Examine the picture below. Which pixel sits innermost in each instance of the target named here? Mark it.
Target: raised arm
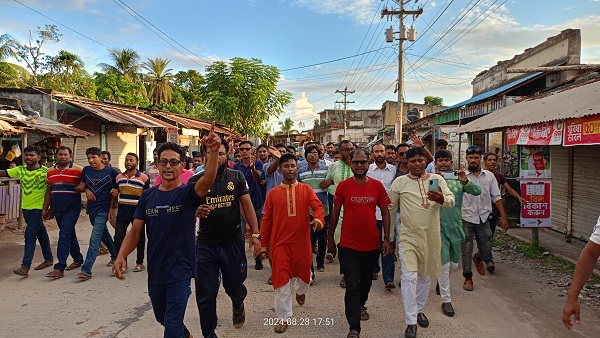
(213, 143)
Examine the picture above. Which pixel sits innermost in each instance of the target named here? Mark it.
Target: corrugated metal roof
(489, 93)
(571, 102)
(43, 125)
(193, 123)
(114, 113)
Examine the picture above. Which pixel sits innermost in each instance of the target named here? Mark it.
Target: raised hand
(212, 140)
(417, 142)
(274, 152)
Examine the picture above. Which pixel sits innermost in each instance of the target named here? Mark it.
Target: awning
(192, 123)
(489, 93)
(113, 112)
(41, 124)
(571, 102)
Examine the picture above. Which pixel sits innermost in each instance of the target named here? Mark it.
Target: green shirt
(33, 185)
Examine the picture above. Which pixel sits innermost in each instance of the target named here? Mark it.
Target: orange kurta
(285, 230)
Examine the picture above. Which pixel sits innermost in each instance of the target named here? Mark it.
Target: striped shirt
(313, 179)
(62, 183)
(130, 190)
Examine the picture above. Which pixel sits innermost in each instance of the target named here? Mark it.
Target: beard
(221, 168)
(473, 169)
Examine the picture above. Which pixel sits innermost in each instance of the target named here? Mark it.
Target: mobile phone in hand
(433, 184)
(450, 175)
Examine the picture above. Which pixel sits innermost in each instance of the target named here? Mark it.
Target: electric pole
(345, 92)
(411, 36)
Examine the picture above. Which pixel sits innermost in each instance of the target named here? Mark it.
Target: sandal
(364, 315)
(73, 266)
(343, 283)
(22, 271)
(139, 267)
(83, 276)
(300, 299)
(270, 281)
(111, 263)
(55, 274)
(44, 265)
(280, 328)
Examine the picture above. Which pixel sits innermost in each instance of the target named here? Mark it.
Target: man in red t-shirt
(360, 241)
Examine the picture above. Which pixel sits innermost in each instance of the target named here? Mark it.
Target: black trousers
(357, 267)
(120, 232)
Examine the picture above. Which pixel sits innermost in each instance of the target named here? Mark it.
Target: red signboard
(541, 134)
(585, 130)
(536, 212)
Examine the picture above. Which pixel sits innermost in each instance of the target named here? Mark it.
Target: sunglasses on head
(473, 150)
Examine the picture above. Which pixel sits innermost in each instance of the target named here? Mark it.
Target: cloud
(361, 11)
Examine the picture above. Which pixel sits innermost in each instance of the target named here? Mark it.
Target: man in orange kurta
(285, 232)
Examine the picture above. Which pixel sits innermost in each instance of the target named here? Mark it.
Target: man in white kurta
(419, 243)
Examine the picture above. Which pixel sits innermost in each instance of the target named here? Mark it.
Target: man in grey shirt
(476, 211)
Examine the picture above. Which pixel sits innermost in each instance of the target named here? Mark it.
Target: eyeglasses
(245, 149)
(163, 162)
(351, 149)
(357, 162)
(313, 154)
(401, 153)
(473, 150)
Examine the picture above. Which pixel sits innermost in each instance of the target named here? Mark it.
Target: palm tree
(7, 44)
(126, 63)
(159, 78)
(68, 63)
(286, 127)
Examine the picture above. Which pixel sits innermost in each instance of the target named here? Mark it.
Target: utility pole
(389, 35)
(345, 92)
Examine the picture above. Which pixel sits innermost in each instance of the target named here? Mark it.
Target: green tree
(13, 76)
(7, 47)
(243, 94)
(433, 101)
(117, 89)
(66, 73)
(126, 63)
(31, 53)
(287, 126)
(159, 79)
(189, 84)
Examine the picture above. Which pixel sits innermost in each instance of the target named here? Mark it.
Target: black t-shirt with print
(222, 226)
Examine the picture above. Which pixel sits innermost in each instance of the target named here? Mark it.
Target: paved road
(513, 302)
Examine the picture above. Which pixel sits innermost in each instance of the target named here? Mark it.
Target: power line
(163, 33)
(336, 60)
(63, 25)
(145, 25)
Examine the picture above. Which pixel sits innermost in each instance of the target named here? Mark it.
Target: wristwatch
(386, 238)
(258, 236)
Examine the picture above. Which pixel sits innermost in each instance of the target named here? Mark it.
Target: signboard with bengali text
(582, 131)
(541, 134)
(536, 213)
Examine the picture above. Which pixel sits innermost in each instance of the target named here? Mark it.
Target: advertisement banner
(535, 162)
(585, 130)
(541, 134)
(536, 212)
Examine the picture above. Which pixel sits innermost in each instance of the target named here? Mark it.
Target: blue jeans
(35, 230)
(168, 303)
(67, 238)
(387, 262)
(99, 232)
(230, 261)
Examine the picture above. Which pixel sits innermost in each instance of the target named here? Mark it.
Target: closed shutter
(120, 140)
(586, 200)
(559, 161)
(90, 125)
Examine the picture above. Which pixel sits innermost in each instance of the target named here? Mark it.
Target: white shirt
(386, 176)
(596, 234)
(477, 209)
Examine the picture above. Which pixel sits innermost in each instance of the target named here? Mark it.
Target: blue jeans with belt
(35, 230)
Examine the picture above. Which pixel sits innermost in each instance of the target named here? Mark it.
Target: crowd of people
(369, 208)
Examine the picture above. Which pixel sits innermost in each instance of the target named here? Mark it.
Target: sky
(319, 46)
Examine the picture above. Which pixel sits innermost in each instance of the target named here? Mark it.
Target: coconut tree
(7, 44)
(159, 78)
(126, 63)
(286, 127)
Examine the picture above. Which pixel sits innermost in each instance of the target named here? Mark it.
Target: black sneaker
(321, 268)
(239, 317)
(259, 265)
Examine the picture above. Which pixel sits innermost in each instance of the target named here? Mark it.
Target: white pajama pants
(284, 299)
(444, 282)
(415, 290)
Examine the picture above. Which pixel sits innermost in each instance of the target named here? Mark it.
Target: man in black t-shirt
(220, 244)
